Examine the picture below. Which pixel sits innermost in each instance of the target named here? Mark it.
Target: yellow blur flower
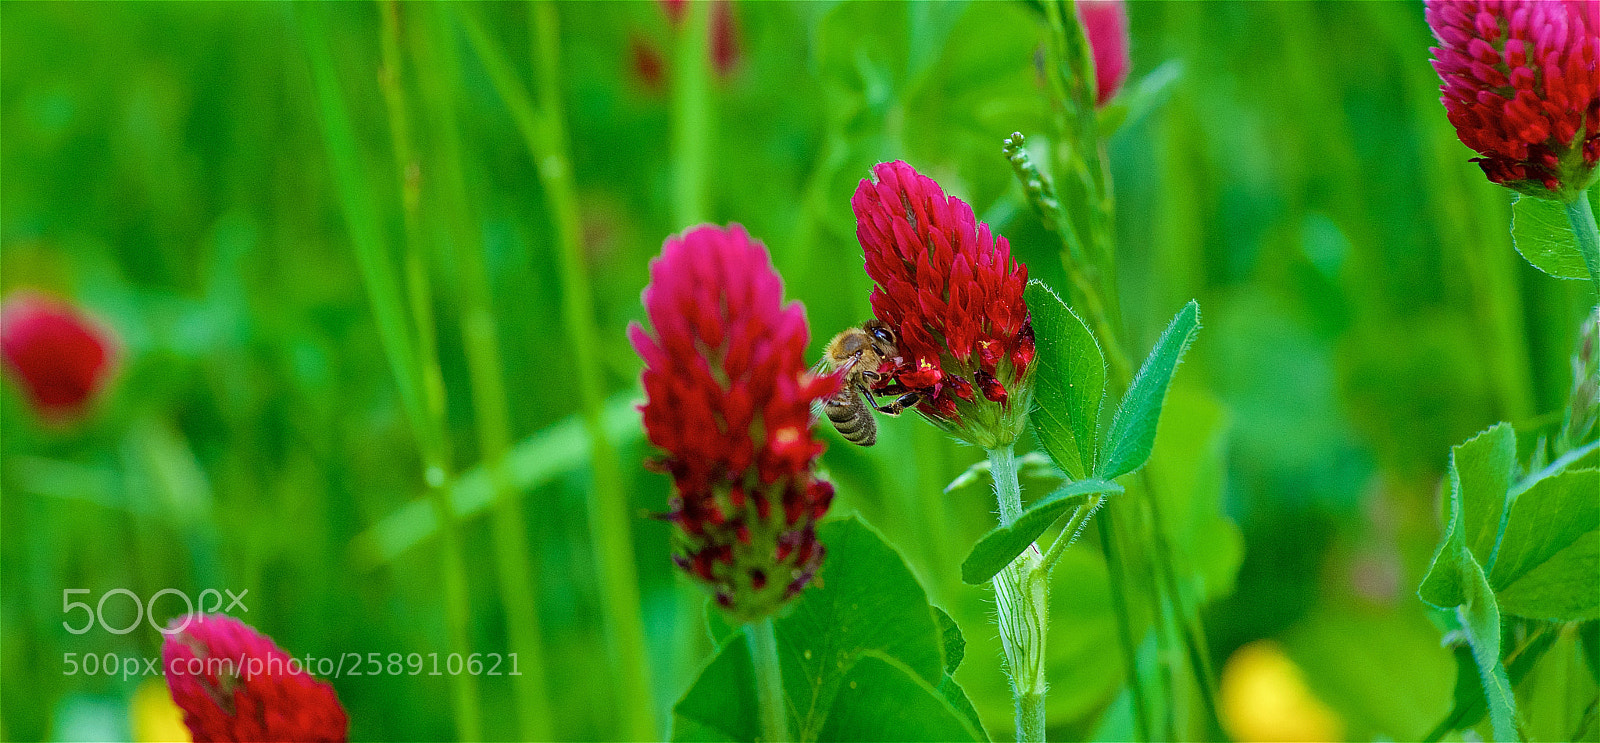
(1265, 698)
(155, 718)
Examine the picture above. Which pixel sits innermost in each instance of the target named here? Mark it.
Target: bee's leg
(909, 399)
(892, 389)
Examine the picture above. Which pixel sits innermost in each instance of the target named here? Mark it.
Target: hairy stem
(1581, 216)
(769, 681)
(1022, 605)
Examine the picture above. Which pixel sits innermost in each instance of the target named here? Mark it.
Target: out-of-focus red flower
(1522, 88)
(1105, 23)
(728, 401)
(60, 356)
(235, 684)
(648, 64)
(953, 295)
(725, 51)
(675, 9)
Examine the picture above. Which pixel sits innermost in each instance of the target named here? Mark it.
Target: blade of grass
(691, 116)
(437, 67)
(421, 392)
(544, 133)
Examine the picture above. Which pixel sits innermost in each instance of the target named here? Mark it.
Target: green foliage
(1069, 383)
(1542, 234)
(1549, 553)
(1510, 548)
(859, 644)
(1133, 429)
(1003, 543)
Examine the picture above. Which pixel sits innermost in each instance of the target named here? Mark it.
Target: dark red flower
(1105, 24)
(728, 400)
(725, 51)
(1522, 88)
(953, 295)
(234, 684)
(60, 356)
(648, 65)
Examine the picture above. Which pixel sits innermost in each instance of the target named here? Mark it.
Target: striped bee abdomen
(854, 422)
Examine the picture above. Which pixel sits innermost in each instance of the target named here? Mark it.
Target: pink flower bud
(60, 357)
(1105, 23)
(728, 400)
(953, 296)
(234, 684)
(1522, 88)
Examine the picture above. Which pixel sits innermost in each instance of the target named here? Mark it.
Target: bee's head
(883, 340)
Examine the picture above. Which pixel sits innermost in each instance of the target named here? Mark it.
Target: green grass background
(164, 164)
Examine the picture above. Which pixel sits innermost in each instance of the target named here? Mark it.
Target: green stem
(1022, 606)
(691, 116)
(414, 366)
(1117, 579)
(1069, 534)
(438, 66)
(1581, 216)
(769, 681)
(1007, 488)
(543, 129)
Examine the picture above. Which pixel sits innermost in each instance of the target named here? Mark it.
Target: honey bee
(856, 354)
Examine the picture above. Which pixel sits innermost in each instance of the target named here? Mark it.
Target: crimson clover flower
(1105, 25)
(953, 296)
(1522, 88)
(728, 400)
(235, 684)
(60, 356)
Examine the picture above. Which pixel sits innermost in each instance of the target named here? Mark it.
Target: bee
(856, 354)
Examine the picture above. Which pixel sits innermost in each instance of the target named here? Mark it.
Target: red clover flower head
(235, 684)
(1522, 88)
(728, 400)
(953, 296)
(1105, 24)
(61, 357)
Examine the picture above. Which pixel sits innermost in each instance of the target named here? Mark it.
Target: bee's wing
(821, 367)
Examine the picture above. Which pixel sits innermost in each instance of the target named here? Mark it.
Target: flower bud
(1522, 88)
(1105, 24)
(728, 401)
(60, 357)
(953, 296)
(234, 684)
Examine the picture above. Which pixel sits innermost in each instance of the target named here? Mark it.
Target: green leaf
(866, 600)
(957, 698)
(1549, 556)
(1002, 544)
(717, 627)
(1069, 384)
(721, 705)
(865, 604)
(1543, 236)
(1480, 619)
(883, 700)
(1456, 578)
(955, 646)
(1133, 430)
(1480, 476)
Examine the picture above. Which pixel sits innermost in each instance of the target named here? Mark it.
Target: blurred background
(169, 169)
